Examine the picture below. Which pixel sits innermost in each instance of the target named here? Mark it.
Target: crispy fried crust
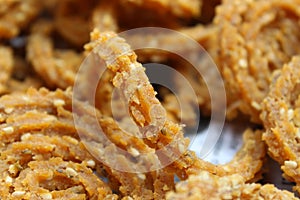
(164, 49)
(57, 67)
(208, 186)
(39, 125)
(37, 132)
(128, 74)
(55, 145)
(58, 179)
(281, 119)
(247, 162)
(257, 37)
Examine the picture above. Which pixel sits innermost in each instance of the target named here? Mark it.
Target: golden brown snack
(49, 114)
(46, 113)
(281, 119)
(250, 158)
(104, 17)
(145, 109)
(136, 90)
(57, 67)
(56, 179)
(72, 20)
(128, 74)
(208, 186)
(38, 148)
(247, 162)
(16, 15)
(37, 130)
(179, 8)
(257, 38)
(6, 66)
(165, 43)
(168, 47)
(52, 135)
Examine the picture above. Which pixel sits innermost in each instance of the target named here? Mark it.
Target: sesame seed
(132, 65)
(255, 105)
(59, 102)
(298, 133)
(59, 63)
(227, 196)
(91, 163)
(8, 110)
(49, 118)
(25, 98)
(291, 164)
(46, 196)
(71, 140)
(8, 129)
(25, 136)
(18, 193)
(290, 114)
(281, 111)
(181, 148)
(134, 152)
(166, 188)
(8, 179)
(71, 172)
(243, 63)
(141, 176)
(12, 169)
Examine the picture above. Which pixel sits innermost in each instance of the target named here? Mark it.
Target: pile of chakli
(50, 143)
(256, 38)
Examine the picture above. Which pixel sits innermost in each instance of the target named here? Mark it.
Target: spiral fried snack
(56, 179)
(57, 67)
(38, 126)
(16, 15)
(208, 186)
(281, 111)
(180, 43)
(41, 156)
(158, 132)
(247, 162)
(6, 65)
(257, 37)
(37, 129)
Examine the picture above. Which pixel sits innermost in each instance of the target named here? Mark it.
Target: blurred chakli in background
(80, 118)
